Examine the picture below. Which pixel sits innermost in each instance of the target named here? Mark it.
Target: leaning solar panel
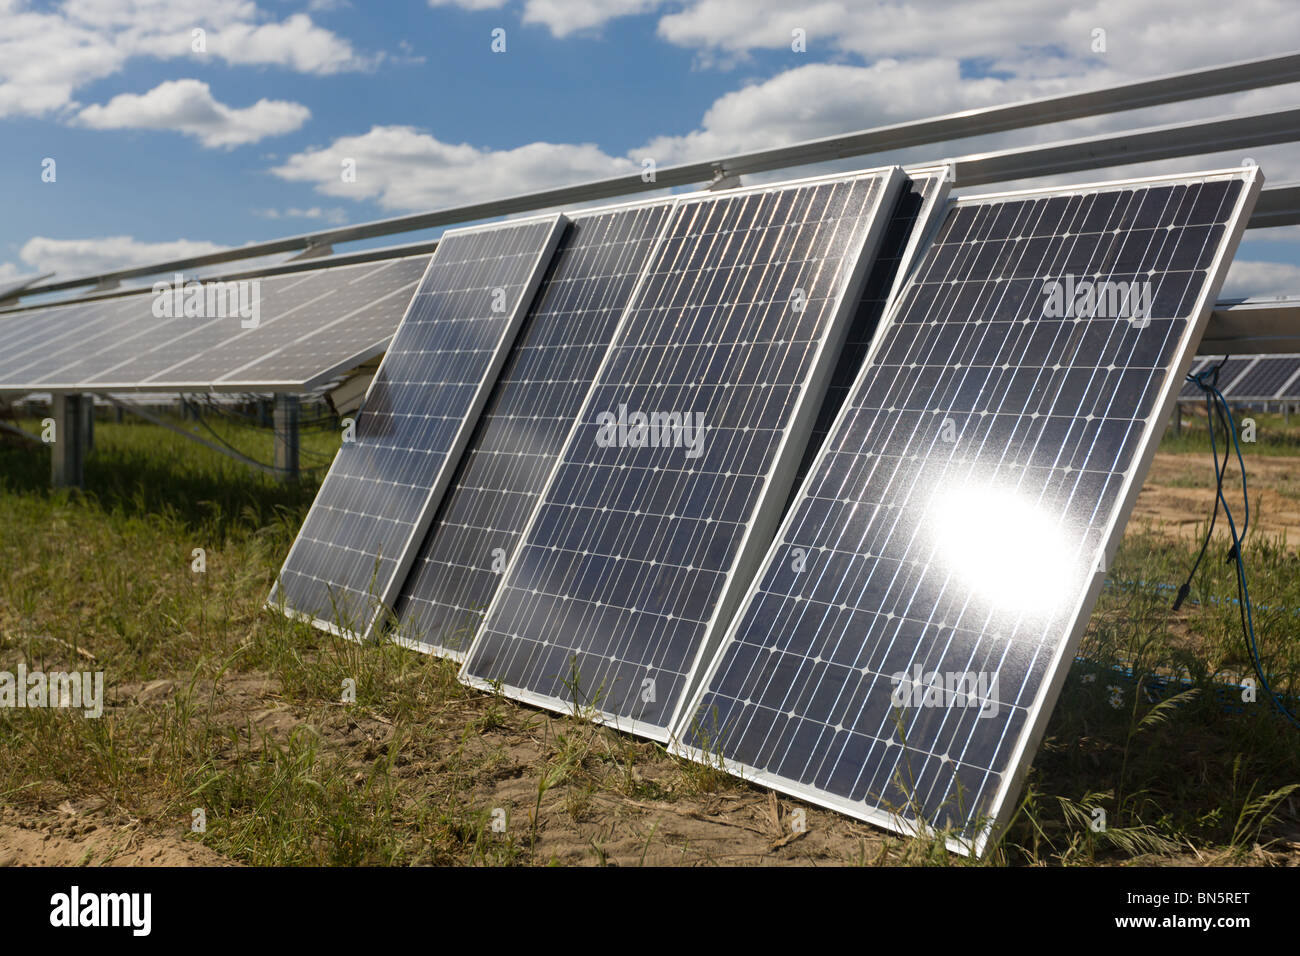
(674, 475)
(1264, 379)
(910, 630)
(522, 430)
(373, 508)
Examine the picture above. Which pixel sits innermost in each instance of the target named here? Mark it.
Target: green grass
(1272, 435)
(251, 728)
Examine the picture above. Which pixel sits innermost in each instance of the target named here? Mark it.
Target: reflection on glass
(1005, 548)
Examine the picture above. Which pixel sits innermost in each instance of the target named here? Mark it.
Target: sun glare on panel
(1003, 547)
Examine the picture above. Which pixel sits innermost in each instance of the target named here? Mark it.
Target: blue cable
(1235, 555)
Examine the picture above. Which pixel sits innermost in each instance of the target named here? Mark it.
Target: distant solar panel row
(297, 331)
(1258, 378)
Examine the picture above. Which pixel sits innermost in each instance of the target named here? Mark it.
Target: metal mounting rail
(1177, 87)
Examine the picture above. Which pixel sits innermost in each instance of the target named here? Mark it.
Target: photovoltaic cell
(522, 430)
(1264, 380)
(644, 535)
(373, 507)
(909, 632)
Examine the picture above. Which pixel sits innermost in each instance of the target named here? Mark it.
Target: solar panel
(132, 344)
(674, 474)
(1264, 379)
(522, 430)
(208, 339)
(907, 636)
(374, 505)
(346, 292)
(38, 336)
(1291, 387)
(310, 325)
(1230, 371)
(17, 327)
(341, 343)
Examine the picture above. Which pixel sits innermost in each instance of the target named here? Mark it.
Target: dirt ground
(84, 837)
(587, 820)
(1179, 494)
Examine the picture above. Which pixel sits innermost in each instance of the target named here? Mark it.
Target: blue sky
(161, 150)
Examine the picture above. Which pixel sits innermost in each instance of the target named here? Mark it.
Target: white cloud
(1024, 36)
(469, 4)
(404, 168)
(334, 215)
(188, 106)
(1249, 278)
(563, 17)
(823, 99)
(10, 271)
(47, 54)
(1141, 38)
(76, 257)
(296, 43)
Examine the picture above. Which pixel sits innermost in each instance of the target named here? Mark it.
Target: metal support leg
(1178, 418)
(68, 450)
(286, 436)
(88, 418)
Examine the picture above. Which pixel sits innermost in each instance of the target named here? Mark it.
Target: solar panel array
(643, 538)
(1263, 378)
(1229, 372)
(374, 505)
(309, 326)
(525, 423)
(909, 631)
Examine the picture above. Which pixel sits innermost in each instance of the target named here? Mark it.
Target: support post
(88, 420)
(1178, 419)
(68, 450)
(286, 436)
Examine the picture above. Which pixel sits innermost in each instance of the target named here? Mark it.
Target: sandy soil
(87, 837)
(1179, 494)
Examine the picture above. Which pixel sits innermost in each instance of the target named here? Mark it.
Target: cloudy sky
(167, 143)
